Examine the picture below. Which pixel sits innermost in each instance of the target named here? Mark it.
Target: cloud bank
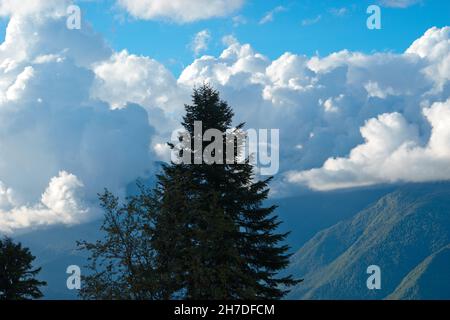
(347, 119)
(58, 145)
(392, 152)
(77, 116)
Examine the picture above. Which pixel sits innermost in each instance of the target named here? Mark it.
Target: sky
(93, 107)
(300, 26)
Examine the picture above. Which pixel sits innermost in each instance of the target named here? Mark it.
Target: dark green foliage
(207, 234)
(17, 276)
(214, 237)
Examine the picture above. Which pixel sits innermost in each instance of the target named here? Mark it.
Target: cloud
(180, 11)
(399, 3)
(229, 39)
(309, 22)
(200, 42)
(346, 119)
(322, 105)
(126, 78)
(234, 60)
(239, 20)
(392, 152)
(339, 12)
(326, 108)
(29, 7)
(434, 47)
(269, 17)
(61, 203)
(59, 146)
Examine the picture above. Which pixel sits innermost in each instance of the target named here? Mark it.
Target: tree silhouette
(213, 236)
(121, 265)
(17, 276)
(202, 233)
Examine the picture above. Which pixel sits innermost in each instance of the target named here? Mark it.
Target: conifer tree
(213, 236)
(202, 233)
(17, 275)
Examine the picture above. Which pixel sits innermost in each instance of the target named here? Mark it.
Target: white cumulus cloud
(59, 146)
(61, 203)
(180, 11)
(324, 105)
(392, 152)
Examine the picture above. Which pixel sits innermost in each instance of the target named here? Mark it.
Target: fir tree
(202, 233)
(17, 275)
(213, 237)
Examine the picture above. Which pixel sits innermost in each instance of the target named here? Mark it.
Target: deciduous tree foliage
(121, 265)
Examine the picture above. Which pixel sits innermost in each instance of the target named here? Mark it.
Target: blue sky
(302, 27)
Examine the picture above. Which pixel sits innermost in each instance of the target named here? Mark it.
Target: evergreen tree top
(208, 108)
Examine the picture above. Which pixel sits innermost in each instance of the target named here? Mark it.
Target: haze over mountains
(336, 235)
(429, 280)
(406, 233)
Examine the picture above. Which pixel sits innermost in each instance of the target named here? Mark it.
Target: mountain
(429, 280)
(55, 250)
(404, 230)
(304, 216)
(344, 238)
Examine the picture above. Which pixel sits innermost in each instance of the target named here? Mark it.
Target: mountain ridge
(397, 233)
